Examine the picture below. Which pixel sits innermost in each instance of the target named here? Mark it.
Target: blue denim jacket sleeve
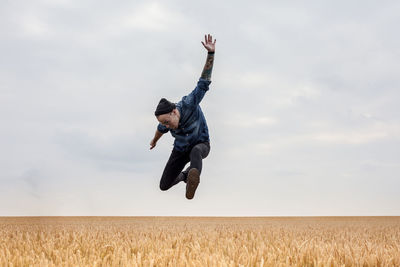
(195, 97)
(161, 128)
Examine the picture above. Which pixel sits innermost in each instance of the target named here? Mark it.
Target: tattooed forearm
(206, 74)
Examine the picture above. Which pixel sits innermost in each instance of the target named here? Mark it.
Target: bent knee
(196, 151)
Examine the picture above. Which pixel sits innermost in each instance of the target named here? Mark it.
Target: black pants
(177, 161)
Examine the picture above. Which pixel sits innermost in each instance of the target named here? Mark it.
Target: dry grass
(180, 241)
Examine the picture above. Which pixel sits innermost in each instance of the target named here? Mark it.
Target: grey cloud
(34, 179)
(128, 153)
(304, 96)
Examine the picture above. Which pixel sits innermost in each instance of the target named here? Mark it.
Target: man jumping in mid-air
(187, 125)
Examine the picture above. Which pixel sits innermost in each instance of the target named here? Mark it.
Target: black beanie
(163, 107)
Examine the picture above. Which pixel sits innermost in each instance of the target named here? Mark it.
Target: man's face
(169, 120)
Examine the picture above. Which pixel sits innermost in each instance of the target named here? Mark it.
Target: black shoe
(193, 181)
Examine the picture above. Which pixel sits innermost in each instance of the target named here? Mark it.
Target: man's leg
(204, 149)
(197, 154)
(174, 166)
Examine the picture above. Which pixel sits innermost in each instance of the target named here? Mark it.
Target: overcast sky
(303, 109)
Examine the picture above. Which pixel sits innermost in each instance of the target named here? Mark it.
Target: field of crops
(199, 241)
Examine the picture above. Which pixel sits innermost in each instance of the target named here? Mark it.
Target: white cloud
(33, 26)
(352, 137)
(153, 17)
(249, 121)
(373, 133)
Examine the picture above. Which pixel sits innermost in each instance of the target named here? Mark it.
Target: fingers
(152, 144)
(208, 39)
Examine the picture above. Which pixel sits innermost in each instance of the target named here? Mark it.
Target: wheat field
(199, 241)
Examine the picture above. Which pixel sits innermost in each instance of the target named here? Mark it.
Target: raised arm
(210, 46)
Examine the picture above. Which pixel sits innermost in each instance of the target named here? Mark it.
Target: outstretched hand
(152, 144)
(209, 44)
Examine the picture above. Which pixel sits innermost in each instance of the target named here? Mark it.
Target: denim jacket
(192, 128)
